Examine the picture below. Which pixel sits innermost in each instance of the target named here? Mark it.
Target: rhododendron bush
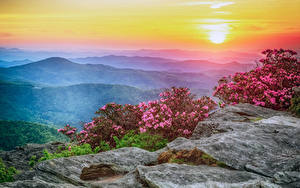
(269, 84)
(175, 114)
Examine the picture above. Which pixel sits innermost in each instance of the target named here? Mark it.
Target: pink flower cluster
(269, 85)
(176, 114)
(68, 131)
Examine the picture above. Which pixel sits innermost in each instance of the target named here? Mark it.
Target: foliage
(70, 150)
(6, 173)
(104, 146)
(18, 133)
(295, 106)
(269, 85)
(176, 114)
(32, 160)
(142, 140)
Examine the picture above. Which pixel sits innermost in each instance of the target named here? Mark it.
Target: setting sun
(216, 29)
(217, 37)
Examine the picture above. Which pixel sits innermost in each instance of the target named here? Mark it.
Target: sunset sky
(135, 24)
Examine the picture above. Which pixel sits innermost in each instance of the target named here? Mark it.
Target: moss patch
(190, 157)
(256, 119)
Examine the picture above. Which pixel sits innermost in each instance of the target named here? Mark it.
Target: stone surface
(261, 147)
(69, 170)
(20, 157)
(282, 120)
(175, 175)
(36, 184)
(130, 180)
(244, 113)
(101, 172)
(270, 146)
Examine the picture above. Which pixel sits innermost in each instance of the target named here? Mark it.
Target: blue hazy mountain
(58, 71)
(16, 54)
(161, 64)
(6, 64)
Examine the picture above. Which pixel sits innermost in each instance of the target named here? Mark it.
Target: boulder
(20, 156)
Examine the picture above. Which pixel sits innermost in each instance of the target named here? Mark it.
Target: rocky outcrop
(175, 175)
(259, 147)
(20, 157)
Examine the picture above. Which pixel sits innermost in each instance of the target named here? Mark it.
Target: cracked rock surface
(261, 147)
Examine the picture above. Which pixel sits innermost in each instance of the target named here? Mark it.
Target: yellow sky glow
(131, 24)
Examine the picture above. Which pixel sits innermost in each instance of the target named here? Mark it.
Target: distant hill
(12, 54)
(19, 133)
(161, 64)
(61, 105)
(59, 72)
(136, 62)
(7, 64)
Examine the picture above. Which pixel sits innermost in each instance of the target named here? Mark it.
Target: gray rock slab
(282, 120)
(186, 176)
(244, 113)
(69, 169)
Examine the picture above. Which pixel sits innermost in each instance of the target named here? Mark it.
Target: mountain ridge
(60, 71)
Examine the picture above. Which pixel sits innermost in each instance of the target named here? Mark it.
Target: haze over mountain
(180, 54)
(16, 54)
(225, 56)
(161, 64)
(59, 72)
(6, 64)
(61, 105)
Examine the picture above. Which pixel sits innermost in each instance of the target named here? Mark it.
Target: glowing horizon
(136, 24)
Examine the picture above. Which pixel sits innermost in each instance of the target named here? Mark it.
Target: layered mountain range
(58, 91)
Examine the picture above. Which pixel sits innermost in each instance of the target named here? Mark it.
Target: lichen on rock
(190, 157)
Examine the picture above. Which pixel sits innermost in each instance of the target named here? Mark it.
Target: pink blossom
(142, 130)
(273, 100)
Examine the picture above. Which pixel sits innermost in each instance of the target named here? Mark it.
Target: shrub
(70, 150)
(176, 114)
(142, 140)
(269, 84)
(6, 174)
(32, 160)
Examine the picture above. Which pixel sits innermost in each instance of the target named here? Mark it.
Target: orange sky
(133, 24)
